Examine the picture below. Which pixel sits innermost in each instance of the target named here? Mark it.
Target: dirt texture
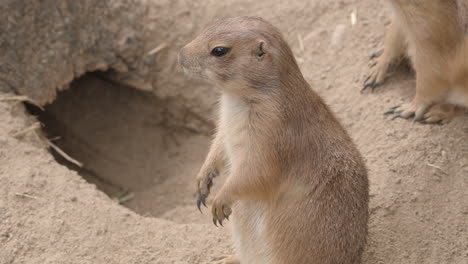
(150, 141)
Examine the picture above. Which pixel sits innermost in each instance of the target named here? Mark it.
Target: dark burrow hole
(125, 141)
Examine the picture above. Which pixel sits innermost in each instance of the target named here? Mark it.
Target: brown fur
(432, 33)
(297, 184)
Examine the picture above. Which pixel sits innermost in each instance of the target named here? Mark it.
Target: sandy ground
(52, 211)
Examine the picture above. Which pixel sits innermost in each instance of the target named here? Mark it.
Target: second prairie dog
(297, 186)
(433, 34)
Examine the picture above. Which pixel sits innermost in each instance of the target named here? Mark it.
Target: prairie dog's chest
(234, 124)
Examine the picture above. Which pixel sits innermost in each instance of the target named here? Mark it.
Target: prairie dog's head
(239, 53)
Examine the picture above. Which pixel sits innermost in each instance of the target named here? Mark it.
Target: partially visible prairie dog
(296, 183)
(433, 34)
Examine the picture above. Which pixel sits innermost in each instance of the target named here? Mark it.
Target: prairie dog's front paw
(221, 209)
(204, 183)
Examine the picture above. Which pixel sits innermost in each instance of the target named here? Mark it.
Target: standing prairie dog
(296, 183)
(433, 34)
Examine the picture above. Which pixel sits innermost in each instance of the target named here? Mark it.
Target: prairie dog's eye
(220, 51)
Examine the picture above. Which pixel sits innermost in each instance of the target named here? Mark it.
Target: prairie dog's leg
(442, 113)
(251, 180)
(429, 89)
(212, 165)
(393, 52)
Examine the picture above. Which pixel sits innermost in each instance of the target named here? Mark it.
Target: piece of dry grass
(21, 98)
(157, 48)
(353, 16)
(30, 128)
(125, 197)
(64, 155)
(25, 195)
(436, 167)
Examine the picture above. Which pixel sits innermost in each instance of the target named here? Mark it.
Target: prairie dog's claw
(372, 85)
(201, 200)
(376, 54)
(407, 111)
(378, 70)
(221, 210)
(391, 110)
(204, 185)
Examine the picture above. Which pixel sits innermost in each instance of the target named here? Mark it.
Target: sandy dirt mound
(150, 142)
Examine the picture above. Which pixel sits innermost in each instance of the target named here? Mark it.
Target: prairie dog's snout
(188, 61)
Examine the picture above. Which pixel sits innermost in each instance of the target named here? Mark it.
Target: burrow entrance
(128, 150)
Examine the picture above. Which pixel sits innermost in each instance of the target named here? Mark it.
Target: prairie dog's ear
(261, 49)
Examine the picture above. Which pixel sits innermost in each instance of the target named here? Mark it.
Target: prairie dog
(433, 34)
(296, 183)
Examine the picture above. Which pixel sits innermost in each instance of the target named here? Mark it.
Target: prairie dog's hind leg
(442, 114)
(393, 53)
(429, 89)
